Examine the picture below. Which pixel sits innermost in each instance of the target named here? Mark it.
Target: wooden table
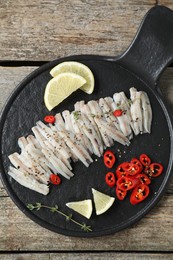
(33, 32)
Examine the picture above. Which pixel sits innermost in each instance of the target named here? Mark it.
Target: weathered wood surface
(168, 3)
(86, 256)
(17, 232)
(152, 233)
(46, 30)
(10, 78)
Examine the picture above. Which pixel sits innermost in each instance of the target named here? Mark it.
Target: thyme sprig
(55, 209)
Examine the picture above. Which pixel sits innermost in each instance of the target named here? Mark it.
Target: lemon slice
(60, 87)
(83, 207)
(102, 201)
(79, 69)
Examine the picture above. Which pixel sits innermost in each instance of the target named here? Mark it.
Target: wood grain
(152, 233)
(26, 256)
(167, 3)
(17, 232)
(45, 30)
(11, 77)
(86, 256)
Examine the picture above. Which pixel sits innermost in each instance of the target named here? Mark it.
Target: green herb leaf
(69, 217)
(85, 227)
(76, 115)
(30, 206)
(130, 101)
(54, 209)
(37, 206)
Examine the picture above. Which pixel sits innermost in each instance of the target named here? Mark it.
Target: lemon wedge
(102, 201)
(79, 69)
(83, 207)
(60, 87)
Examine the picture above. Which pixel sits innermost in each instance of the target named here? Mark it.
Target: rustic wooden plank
(36, 39)
(45, 30)
(26, 256)
(11, 76)
(167, 3)
(107, 255)
(152, 233)
(2, 190)
(14, 226)
(87, 256)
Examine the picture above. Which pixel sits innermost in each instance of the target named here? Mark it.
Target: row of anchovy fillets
(89, 129)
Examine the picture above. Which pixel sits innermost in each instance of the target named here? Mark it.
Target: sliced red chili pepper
(55, 179)
(122, 169)
(118, 112)
(136, 161)
(110, 179)
(145, 160)
(133, 169)
(143, 178)
(121, 194)
(109, 159)
(139, 194)
(155, 169)
(49, 119)
(127, 183)
(147, 171)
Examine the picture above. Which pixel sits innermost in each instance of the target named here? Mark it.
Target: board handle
(151, 51)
